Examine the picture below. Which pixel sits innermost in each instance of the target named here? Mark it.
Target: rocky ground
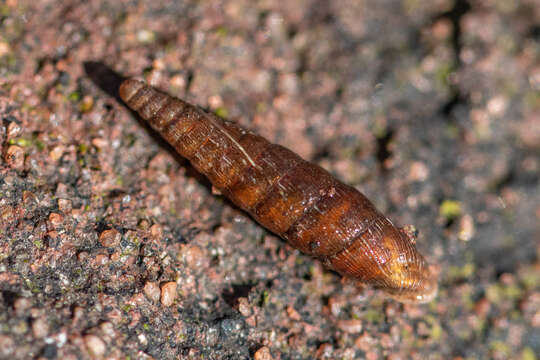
(112, 246)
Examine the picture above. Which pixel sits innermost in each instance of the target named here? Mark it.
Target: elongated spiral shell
(291, 197)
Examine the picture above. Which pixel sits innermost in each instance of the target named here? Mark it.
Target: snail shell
(300, 201)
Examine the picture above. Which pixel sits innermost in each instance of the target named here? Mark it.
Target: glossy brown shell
(291, 197)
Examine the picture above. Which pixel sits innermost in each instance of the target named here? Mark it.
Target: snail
(293, 198)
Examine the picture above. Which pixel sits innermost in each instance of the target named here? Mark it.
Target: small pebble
(168, 293)
(56, 153)
(156, 231)
(151, 290)
(293, 314)
(142, 339)
(7, 214)
(442, 29)
(466, 228)
(101, 260)
(178, 81)
(95, 346)
(336, 304)
(108, 329)
(30, 201)
(100, 143)
(144, 224)
(324, 351)
(158, 64)
(78, 314)
(418, 171)
(4, 48)
(263, 354)
(61, 190)
(15, 157)
(13, 130)
(350, 326)
(64, 205)
(395, 357)
(22, 305)
(372, 355)
(215, 101)
(482, 307)
(86, 104)
(145, 36)
(497, 105)
(110, 238)
(194, 257)
(40, 328)
(56, 219)
(243, 306)
(7, 346)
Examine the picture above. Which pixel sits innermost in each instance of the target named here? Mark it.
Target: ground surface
(112, 246)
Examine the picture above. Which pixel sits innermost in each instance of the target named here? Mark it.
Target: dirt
(112, 246)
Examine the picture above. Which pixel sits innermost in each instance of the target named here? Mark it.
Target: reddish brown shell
(291, 197)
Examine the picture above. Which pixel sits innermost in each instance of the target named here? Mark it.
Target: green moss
(532, 99)
(436, 330)
(380, 130)
(528, 354)
(39, 144)
(530, 277)
(129, 140)
(5, 10)
(461, 272)
(479, 326)
(442, 74)
(221, 32)
(265, 298)
(512, 292)
(261, 107)
(27, 142)
(411, 6)
(494, 293)
(83, 148)
(9, 62)
(374, 316)
(222, 112)
(74, 96)
(450, 209)
(31, 286)
(500, 347)
(452, 131)
(22, 142)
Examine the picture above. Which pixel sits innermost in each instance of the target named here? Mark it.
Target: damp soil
(112, 246)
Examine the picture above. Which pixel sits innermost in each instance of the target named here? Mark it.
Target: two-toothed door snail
(299, 201)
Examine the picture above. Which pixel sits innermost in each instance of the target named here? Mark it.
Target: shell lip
(426, 290)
